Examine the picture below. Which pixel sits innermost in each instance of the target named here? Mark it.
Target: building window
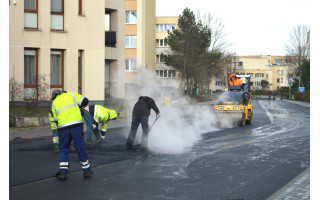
(240, 64)
(257, 83)
(131, 17)
(165, 73)
(80, 54)
(107, 22)
(250, 74)
(160, 58)
(80, 7)
(56, 69)
(259, 75)
(131, 65)
(281, 80)
(31, 14)
(280, 72)
(278, 61)
(165, 27)
(57, 15)
(30, 73)
(131, 41)
(278, 80)
(162, 43)
(267, 76)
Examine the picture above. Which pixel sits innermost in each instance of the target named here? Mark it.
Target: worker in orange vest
(234, 80)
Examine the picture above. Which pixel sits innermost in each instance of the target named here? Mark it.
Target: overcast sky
(254, 27)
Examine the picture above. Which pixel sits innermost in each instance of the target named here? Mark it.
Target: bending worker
(140, 114)
(55, 133)
(234, 80)
(98, 114)
(67, 115)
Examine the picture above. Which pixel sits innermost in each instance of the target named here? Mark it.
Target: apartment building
(115, 19)
(166, 75)
(139, 41)
(273, 69)
(62, 40)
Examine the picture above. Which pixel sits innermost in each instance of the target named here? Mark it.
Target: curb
(26, 122)
(19, 122)
(295, 185)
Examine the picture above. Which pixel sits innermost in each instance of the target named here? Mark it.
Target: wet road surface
(250, 162)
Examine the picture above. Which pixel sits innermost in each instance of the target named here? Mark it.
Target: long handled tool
(153, 123)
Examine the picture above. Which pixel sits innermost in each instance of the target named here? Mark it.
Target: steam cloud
(180, 126)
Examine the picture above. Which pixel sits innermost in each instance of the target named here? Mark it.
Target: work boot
(61, 177)
(128, 146)
(87, 174)
(89, 141)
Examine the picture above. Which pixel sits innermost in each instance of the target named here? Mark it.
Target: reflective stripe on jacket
(52, 122)
(102, 115)
(65, 109)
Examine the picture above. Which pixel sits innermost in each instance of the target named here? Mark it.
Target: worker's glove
(102, 137)
(93, 126)
(103, 133)
(82, 112)
(158, 115)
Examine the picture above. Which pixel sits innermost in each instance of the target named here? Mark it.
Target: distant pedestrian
(140, 114)
(274, 94)
(67, 115)
(269, 94)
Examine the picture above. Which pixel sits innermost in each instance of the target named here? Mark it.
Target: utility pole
(289, 86)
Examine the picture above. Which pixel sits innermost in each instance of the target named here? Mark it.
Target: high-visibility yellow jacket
(103, 115)
(54, 129)
(52, 122)
(66, 111)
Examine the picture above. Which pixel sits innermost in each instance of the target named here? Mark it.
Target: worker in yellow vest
(99, 114)
(67, 115)
(55, 133)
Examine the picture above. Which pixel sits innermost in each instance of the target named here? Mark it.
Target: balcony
(110, 39)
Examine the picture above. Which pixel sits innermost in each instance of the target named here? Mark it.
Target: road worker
(99, 114)
(234, 80)
(67, 115)
(140, 114)
(55, 133)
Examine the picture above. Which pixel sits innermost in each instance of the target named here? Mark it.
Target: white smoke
(180, 126)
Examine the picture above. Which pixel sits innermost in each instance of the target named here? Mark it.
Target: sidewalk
(298, 188)
(306, 104)
(46, 130)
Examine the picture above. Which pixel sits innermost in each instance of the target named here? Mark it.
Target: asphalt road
(251, 162)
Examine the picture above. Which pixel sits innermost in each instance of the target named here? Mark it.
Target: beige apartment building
(166, 75)
(78, 45)
(115, 19)
(273, 69)
(139, 41)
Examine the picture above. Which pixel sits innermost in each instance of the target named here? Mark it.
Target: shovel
(153, 123)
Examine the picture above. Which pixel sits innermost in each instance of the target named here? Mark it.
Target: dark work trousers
(65, 137)
(89, 121)
(134, 127)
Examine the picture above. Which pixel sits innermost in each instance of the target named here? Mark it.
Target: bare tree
(298, 48)
(227, 66)
(39, 93)
(15, 90)
(218, 41)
